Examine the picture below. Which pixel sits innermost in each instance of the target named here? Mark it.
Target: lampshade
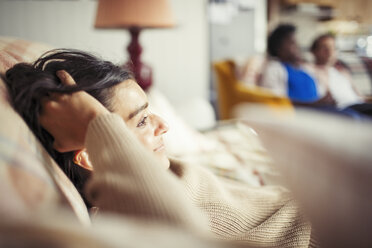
(134, 13)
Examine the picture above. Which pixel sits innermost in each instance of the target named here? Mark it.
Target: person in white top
(329, 77)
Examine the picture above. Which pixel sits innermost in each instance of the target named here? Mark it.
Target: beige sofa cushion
(30, 180)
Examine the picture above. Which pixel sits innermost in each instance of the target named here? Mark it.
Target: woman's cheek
(145, 138)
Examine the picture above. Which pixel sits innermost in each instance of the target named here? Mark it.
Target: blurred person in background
(333, 78)
(284, 74)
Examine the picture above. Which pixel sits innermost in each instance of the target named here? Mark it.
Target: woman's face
(325, 53)
(130, 102)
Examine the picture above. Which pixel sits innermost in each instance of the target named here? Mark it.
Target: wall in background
(234, 39)
(238, 28)
(178, 56)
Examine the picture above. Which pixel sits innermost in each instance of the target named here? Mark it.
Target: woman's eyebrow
(134, 113)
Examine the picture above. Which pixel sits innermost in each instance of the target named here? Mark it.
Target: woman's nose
(161, 126)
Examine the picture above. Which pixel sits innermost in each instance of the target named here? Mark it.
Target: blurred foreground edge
(326, 161)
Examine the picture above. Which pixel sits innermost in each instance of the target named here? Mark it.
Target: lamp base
(142, 72)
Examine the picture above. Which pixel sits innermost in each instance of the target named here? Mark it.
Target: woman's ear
(81, 158)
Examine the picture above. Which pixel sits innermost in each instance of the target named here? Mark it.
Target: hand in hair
(66, 116)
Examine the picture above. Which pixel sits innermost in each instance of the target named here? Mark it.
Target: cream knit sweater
(129, 181)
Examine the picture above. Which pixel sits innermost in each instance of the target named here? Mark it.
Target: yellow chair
(231, 92)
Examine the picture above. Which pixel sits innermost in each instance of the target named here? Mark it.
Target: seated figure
(332, 78)
(283, 73)
(329, 77)
(94, 120)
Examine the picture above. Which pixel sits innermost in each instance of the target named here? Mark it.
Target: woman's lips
(159, 148)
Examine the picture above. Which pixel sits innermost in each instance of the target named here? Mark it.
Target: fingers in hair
(65, 77)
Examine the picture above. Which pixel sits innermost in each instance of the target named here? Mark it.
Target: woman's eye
(143, 122)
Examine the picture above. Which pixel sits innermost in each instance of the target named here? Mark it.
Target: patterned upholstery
(30, 179)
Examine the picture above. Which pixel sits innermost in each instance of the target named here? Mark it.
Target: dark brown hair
(277, 36)
(29, 83)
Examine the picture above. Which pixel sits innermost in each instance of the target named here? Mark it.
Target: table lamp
(135, 15)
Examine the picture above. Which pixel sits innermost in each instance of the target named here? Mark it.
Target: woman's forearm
(128, 179)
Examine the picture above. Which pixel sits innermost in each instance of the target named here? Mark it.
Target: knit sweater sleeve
(127, 178)
(256, 216)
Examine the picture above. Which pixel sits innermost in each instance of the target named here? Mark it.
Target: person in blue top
(283, 73)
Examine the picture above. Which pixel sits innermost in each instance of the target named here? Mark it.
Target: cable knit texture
(128, 180)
